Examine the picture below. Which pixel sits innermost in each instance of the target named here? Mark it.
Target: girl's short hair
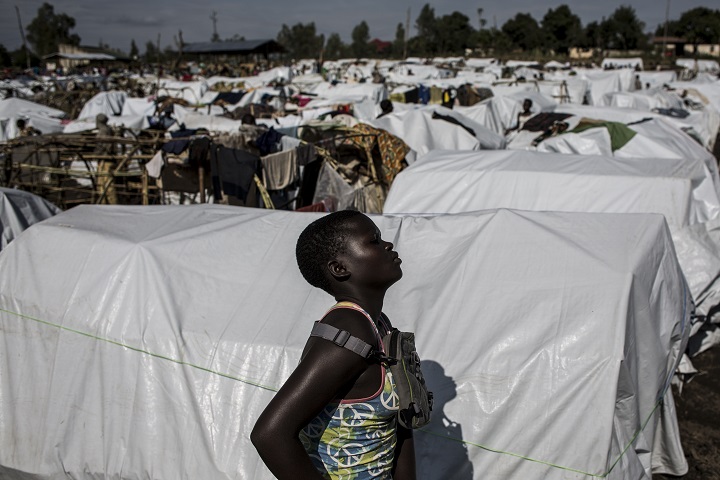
(320, 242)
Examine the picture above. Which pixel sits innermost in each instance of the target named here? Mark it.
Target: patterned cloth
(355, 439)
(392, 149)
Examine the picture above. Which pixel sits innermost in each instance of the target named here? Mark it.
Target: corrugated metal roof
(244, 46)
(81, 56)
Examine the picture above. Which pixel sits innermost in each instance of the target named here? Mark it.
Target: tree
(134, 52)
(454, 34)
(481, 21)
(523, 31)
(334, 48)
(5, 59)
(426, 41)
(699, 25)
(398, 47)
(591, 36)
(152, 54)
(301, 40)
(18, 58)
(47, 30)
(623, 30)
(562, 28)
(360, 38)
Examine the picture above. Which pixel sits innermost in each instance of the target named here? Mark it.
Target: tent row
(167, 329)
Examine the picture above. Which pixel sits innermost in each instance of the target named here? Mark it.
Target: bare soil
(698, 411)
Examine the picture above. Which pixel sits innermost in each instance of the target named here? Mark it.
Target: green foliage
(18, 58)
(454, 34)
(5, 60)
(360, 38)
(152, 54)
(591, 36)
(301, 40)
(398, 48)
(425, 43)
(48, 29)
(623, 30)
(562, 29)
(134, 52)
(334, 48)
(699, 25)
(524, 32)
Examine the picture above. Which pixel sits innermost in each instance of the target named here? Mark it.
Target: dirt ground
(698, 410)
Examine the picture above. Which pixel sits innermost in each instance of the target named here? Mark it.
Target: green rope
(550, 464)
(272, 389)
(140, 350)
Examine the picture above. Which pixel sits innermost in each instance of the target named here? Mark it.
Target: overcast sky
(117, 22)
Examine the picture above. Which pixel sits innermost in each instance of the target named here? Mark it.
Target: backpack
(415, 401)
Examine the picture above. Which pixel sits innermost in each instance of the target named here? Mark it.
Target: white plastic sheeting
(351, 92)
(704, 124)
(593, 141)
(566, 90)
(422, 133)
(500, 112)
(699, 65)
(45, 119)
(139, 106)
(107, 103)
(655, 138)
(19, 210)
(496, 114)
(633, 62)
(452, 182)
(151, 345)
(192, 92)
(132, 122)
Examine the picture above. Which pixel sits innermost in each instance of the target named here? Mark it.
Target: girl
(335, 417)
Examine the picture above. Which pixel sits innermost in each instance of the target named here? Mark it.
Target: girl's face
(370, 260)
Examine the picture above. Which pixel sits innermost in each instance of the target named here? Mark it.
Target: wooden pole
(665, 33)
(407, 33)
(145, 196)
(201, 181)
(22, 33)
(111, 177)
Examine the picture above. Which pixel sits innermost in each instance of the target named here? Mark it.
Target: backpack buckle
(341, 338)
(384, 359)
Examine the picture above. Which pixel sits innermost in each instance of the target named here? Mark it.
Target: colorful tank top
(355, 439)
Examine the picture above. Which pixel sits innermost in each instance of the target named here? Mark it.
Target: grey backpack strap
(342, 338)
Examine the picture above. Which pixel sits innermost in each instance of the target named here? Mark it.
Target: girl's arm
(324, 374)
(404, 463)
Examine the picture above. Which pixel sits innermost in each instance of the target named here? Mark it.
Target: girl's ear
(338, 271)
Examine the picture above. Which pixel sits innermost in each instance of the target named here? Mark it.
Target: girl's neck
(372, 306)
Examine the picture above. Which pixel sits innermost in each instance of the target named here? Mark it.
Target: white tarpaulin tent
(423, 133)
(453, 182)
(108, 103)
(622, 63)
(149, 347)
(45, 119)
(19, 210)
(700, 65)
(653, 138)
(704, 124)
